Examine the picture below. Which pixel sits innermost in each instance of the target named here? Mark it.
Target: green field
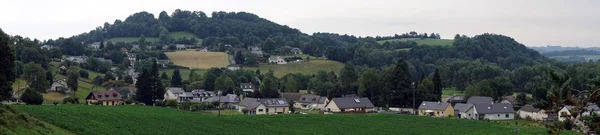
(308, 68)
(13, 121)
(92, 120)
(185, 73)
(131, 39)
(426, 41)
(178, 35)
(85, 84)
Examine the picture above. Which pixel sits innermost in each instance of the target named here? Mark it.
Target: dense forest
(385, 71)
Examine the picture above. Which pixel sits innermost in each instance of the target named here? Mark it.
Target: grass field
(308, 68)
(303, 56)
(85, 84)
(202, 60)
(131, 39)
(419, 41)
(185, 73)
(16, 122)
(94, 120)
(178, 35)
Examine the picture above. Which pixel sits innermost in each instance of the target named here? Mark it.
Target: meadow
(426, 41)
(16, 122)
(185, 73)
(174, 35)
(93, 120)
(308, 67)
(178, 35)
(201, 60)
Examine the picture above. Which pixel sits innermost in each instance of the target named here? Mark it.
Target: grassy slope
(128, 120)
(85, 84)
(308, 68)
(178, 35)
(423, 41)
(185, 73)
(13, 121)
(203, 60)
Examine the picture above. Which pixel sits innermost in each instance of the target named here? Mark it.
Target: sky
(530, 22)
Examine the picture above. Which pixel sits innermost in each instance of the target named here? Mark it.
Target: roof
(96, 44)
(460, 107)
(246, 86)
(292, 96)
(180, 46)
(568, 107)
(229, 98)
(592, 107)
(252, 103)
(480, 99)
(175, 90)
(529, 108)
(510, 99)
(104, 95)
(352, 102)
(494, 108)
(124, 49)
(454, 98)
(274, 57)
(431, 105)
(234, 65)
(309, 98)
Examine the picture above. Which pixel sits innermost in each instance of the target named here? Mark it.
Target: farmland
(93, 120)
(16, 122)
(84, 88)
(201, 60)
(309, 67)
(426, 41)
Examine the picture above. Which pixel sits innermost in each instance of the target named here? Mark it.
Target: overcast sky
(531, 22)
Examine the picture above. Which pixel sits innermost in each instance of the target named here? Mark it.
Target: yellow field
(202, 60)
(54, 96)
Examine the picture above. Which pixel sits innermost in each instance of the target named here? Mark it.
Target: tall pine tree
(437, 84)
(398, 81)
(176, 79)
(7, 74)
(144, 92)
(157, 87)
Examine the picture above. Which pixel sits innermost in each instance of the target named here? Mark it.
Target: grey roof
(430, 105)
(494, 108)
(460, 107)
(510, 99)
(309, 98)
(351, 102)
(252, 103)
(568, 107)
(480, 100)
(246, 86)
(229, 98)
(592, 107)
(454, 98)
(292, 96)
(233, 65)
(529, 108)
(187, 94)
(274, 57)
(175, 90)
(96, 44)
(180, 46)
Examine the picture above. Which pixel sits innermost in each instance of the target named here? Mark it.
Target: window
(469, 115)
(498, 115)
(267, 109)
(506, 115)
(260, 110)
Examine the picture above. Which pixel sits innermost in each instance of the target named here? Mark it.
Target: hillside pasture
(93, 120)
(308, 67)
(131, 39)
(182, 34)
(15, 122)
(201, 60)
(427, 41)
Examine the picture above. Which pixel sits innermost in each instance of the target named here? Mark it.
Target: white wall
(500, 116)
(563, 110)
(470, 114)
(539, 116)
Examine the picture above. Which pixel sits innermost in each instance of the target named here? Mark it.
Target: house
(247, 87)
(296, 51)
(124, 50)
(349, 104)
(480, 100)
(454, 99)
(109, 61)
(591, 108)
(200, 95)
(77, 59)
(233, 67)
(202, 49)
(256, 51)
(46, 47)
(436, 109)
(130, 90)
(174, 93)
(256, 106)
(277, 60)
(306, 101)
(460, 110)
(492, 111)
(528, 111)
(180, 47)
(59, 85)
(565, 111)
(135, 47)
(510, 100)
(62, 69)
(132, 57)
(230, 101)
(106, 98)
(95, 45)
(163, 63)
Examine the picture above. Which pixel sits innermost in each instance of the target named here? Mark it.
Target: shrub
(84, 74)
(71, 100)
(55, 102)
(32, 97)
(159, 103)
(245, 111)
(129, 101)
(171, 103)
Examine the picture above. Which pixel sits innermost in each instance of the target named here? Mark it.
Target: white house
(233, 67)
(173, 93)
(494, 111)
(460, 110)
(180, 47)
(296, 51)
(565, 110)
(256, 51)
(203, 49)
(95, 45)
(277, 60)
(528, 111)
(247, 87)
(46, 47)
(255, 106)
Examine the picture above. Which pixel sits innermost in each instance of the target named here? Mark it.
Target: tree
(142, 42)
(269, 44)
(32, 97)
(225, 84)
(437, 84)
(291, 85)
(156, 85)
(164, 76)
(176, 78)
(251, 61)
(348, 79)
(426, 91)
(49, 77)
(370, 86)
(84, 74)
(144, 88)
(7, 75)
(35, 76)
(268, 87)
(239, 58)
(398, 84)
(101, 45)
(128, 79)
(98, 81)
(72, 76)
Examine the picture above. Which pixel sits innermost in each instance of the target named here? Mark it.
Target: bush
(84, 74)
(171, 103)
(160, 103)
(129, 101)
(72, 100)
(32, 97)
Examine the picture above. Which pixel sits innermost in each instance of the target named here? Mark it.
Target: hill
(13, 121)
(127, 120)
(131, 39)
(188, 35)
(545, 49)
(308, 68)
(201, 60)
(174, 35)
(426, 41)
